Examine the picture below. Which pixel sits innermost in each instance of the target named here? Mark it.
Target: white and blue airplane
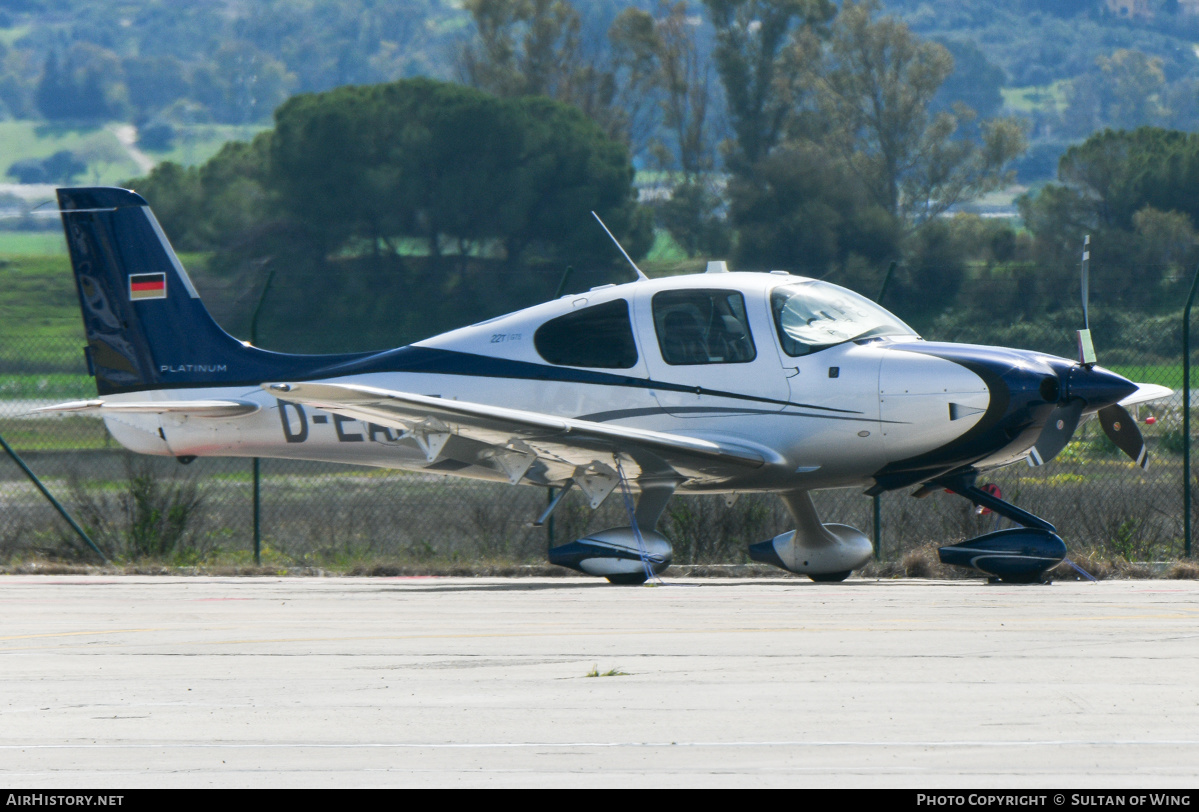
(708, 383)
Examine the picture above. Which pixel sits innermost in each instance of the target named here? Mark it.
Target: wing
(513, 439)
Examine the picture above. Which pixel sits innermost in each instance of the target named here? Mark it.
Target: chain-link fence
(330, 515)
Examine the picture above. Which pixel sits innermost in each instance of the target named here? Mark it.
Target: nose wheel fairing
(1016, 555)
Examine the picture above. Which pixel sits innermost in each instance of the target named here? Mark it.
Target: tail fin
(146, 326)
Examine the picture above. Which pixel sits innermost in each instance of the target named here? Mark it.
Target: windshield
(813, 315)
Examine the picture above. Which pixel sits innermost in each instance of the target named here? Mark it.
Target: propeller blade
(1086, 348)
(1086, 280)
(1059, 428)
(1122, 429)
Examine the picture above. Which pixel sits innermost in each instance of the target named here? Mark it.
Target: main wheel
(630, 578)
(829, 577)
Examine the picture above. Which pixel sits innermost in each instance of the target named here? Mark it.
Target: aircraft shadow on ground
(539, 586)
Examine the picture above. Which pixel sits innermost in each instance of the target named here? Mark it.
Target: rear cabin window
(597, 336)
(703, 327)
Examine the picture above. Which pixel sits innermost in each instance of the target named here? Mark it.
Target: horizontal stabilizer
(186, 408)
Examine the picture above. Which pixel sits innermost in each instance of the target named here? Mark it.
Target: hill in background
(181, 72)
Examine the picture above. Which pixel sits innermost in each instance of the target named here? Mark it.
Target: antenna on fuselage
(640, 275)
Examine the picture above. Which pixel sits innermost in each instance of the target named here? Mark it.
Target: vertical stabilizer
(146, 326)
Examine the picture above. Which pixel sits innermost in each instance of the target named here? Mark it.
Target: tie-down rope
(642, 550)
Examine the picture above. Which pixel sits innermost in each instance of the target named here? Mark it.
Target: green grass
(32, 243)
(30, 139)
(1037, 97)
(56, 385)
(667, 258)
(1161, 374)
(38, 304)
(40, 327)
(56, 434)
(664, 249)
(195, 144)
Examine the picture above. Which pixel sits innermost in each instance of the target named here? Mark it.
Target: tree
(85, 86)
(1118, 172)
(875, 89)
(27, 170)
(756, 68)
(693, 212)
(802, 209)
(55, 91)
(974, 82)
(631, 79)
(62, 167)
(1137, 193)
(536, 48)
(427, 159)
(691, 216)
(242, 84)
(569, 169)
(1127, 89)
(683, 76)
(155, 82)
(521, 47)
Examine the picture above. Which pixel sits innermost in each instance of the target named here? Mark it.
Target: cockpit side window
(703, 327)
(600, 336)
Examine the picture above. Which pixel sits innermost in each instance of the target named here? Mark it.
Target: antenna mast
(640, 275)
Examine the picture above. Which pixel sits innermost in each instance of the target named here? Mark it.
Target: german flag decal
(147, 286)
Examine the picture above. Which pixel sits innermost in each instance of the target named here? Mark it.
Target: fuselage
(768, 362)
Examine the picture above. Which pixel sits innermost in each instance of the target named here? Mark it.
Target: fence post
(255, 468)
(258, 531)
(1186, 417)
(878, 527)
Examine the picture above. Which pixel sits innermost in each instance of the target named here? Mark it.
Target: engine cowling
(615, 554)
